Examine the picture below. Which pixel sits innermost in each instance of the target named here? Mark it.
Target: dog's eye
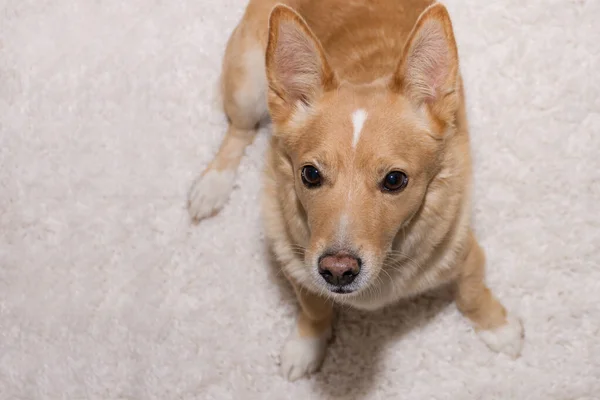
(394, 181)
(311, 176)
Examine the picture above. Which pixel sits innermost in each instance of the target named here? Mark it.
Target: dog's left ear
(428, 70)
(297, 68)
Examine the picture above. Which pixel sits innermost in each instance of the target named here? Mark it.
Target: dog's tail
(245, 104)
(241, 93)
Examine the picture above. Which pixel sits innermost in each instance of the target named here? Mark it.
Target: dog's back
(363, 39)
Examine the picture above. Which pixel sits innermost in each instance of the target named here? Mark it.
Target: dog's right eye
(395, 181)
(311, 176)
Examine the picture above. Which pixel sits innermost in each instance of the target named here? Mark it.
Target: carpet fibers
(107, 113)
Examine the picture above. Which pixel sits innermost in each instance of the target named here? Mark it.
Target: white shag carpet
(107, 113)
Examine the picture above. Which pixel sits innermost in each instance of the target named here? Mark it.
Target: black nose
(339, 269)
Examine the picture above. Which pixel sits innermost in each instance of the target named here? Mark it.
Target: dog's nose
(339, 269)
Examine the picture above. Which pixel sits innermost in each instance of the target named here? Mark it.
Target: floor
(108, 112)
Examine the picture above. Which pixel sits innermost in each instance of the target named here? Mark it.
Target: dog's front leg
(305, 348)
(500, 330)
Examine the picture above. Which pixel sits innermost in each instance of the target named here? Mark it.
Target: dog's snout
(339, 269)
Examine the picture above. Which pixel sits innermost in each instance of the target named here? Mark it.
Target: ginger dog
(368, 175)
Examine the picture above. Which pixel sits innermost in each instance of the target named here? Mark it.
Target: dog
(367, 184)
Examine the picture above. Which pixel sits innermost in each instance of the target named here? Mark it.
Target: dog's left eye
(311, 176)
(394, 181)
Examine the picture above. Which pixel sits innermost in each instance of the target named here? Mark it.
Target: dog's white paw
(209, 193)
(507, 339)
(302, 356)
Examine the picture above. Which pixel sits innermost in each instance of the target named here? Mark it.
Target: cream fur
(210, 192)
(506, 339)
(302, 356)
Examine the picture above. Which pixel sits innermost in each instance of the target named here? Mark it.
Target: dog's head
(360, 157)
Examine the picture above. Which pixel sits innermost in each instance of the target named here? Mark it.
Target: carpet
(108, 112)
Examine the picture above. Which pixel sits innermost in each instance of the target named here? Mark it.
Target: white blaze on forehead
(358, 120)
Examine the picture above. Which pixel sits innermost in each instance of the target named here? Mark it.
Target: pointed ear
(297, 69)
(428, 70)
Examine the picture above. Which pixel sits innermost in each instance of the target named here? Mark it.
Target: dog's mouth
(342, 290)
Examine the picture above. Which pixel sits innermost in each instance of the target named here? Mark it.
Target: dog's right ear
(297, 69)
